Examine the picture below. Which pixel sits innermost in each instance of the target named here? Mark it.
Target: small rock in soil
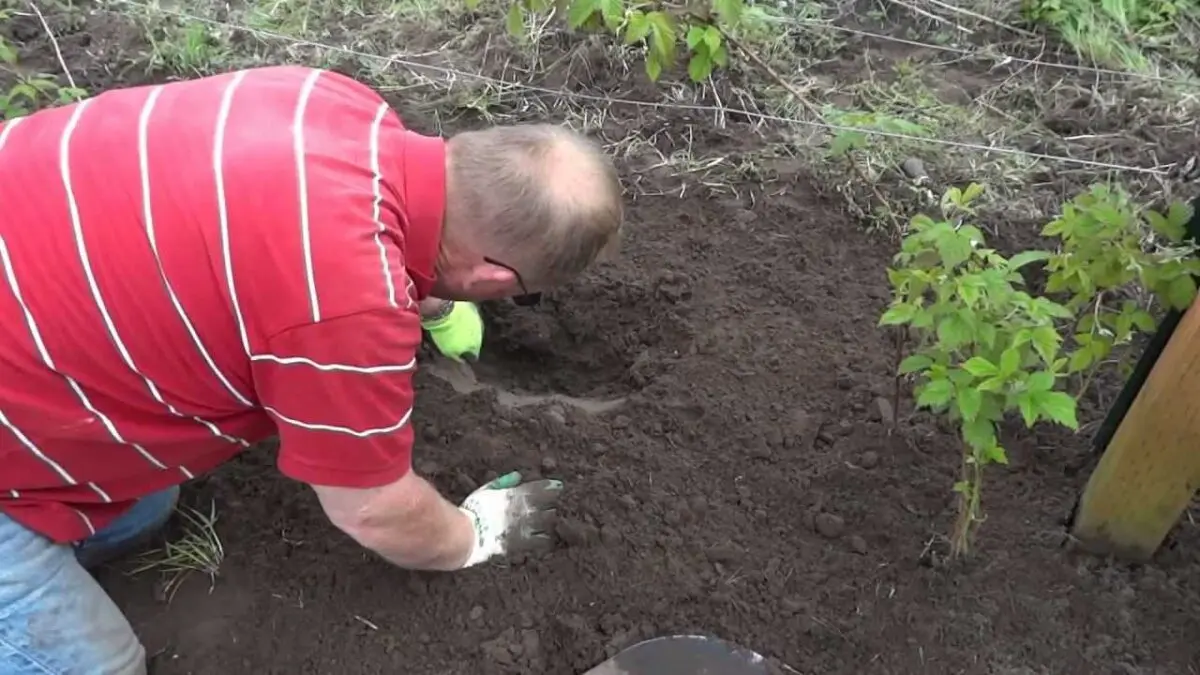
(557, 415)
(576, 533)
(858, 544)
(884, 411)
(723, 553)
(869, 459)
(476, 613)
(830, 526)
(549, 464)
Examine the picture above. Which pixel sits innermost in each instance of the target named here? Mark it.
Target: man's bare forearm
(408, 523)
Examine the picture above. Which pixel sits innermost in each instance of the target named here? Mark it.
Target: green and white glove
(457, 333)
(511, 518)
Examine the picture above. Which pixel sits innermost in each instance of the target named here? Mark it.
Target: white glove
(511, 518)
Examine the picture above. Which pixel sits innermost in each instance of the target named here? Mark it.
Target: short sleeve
(340, 391)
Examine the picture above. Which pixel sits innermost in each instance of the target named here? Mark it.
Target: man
(190, 268)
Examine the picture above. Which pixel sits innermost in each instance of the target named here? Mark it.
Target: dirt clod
(829, 525)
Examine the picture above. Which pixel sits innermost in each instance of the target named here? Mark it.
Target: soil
(751, 485)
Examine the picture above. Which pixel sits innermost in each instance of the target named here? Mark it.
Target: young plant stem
(968, 504)
(900, 334)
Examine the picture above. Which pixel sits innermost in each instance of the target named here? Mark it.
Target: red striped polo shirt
(187, 269)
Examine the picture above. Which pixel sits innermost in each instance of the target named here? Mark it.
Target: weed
(199, 549)
(1120, 33)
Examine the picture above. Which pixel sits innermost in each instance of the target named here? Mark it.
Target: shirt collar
(424, 170)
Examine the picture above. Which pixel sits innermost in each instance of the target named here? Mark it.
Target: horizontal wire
(983, 54)
(452, 72)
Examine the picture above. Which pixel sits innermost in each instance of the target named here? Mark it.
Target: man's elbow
(369, 515)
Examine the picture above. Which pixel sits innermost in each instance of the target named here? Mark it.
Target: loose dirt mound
(748, 487)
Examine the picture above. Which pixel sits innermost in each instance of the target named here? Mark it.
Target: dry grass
(198, 549)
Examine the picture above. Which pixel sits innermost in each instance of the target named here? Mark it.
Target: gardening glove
(458, 334)
(511, 518)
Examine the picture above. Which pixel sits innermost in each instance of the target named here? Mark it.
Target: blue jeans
(54, 618)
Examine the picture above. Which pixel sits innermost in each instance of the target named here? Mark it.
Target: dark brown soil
(748, 488)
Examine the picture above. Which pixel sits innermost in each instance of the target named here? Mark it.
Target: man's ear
(491, 281)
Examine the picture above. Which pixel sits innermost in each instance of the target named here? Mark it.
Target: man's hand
(456, 328)
(511, 518)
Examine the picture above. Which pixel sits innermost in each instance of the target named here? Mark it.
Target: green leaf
(1028, 409)
(915, 363)
(729, 11)
(695, 36)
(994, 454)
(1181, 291)
(720, 56)
(1143, 320)
(613, 12)
(898, 314)
(515, 21)
(7, 53)
(1046, 341)
(992, 384)
(980, 367)
(979, 432)
(653, 67)
(936, 393)
(953, 331)
(1025, 257)
(712, 38)
(1172, 232)
(581, 11)
(846, 141)
(1056, 406)
(662, 38)
(1010, 361)
(973, 192)
(699, 67)
(969, 402)
(638, 27)
(1179, 214)
(1042, 380)
(954, 249)
(1081, 359)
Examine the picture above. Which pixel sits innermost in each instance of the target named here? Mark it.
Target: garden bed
(750, 485)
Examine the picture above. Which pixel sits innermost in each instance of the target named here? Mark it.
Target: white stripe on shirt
(94, 286)
(300, 360)
(148, 216)
(37, 452)
(222, 207)
(378, 203)
(302, 177)
(48, 361)
(342, 430)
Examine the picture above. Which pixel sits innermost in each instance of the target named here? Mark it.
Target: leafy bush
(985, 348)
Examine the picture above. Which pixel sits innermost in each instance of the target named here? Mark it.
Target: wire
(416, 66)
(1003, 58)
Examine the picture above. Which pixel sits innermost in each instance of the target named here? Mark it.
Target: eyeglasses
(526, 299)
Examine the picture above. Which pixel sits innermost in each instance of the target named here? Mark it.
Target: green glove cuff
(459, 333)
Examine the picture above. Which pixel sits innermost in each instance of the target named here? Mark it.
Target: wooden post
(1150, 470)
